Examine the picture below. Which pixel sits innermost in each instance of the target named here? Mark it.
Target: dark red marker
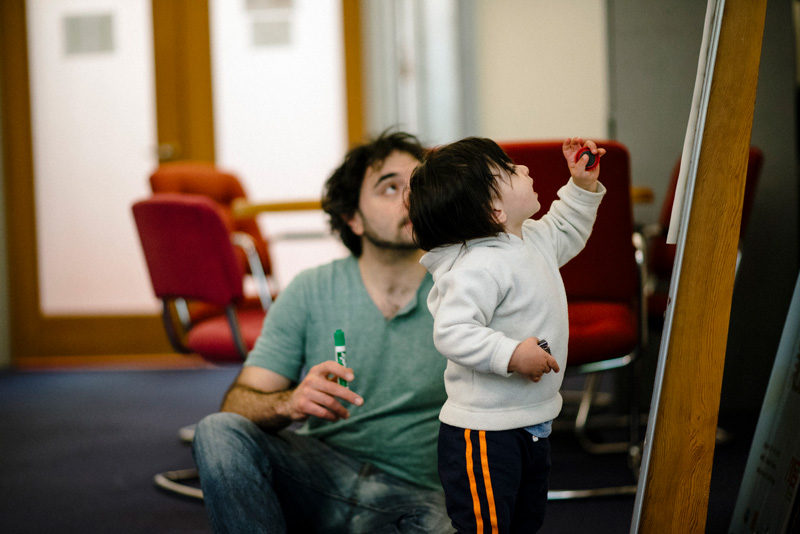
(593, 158)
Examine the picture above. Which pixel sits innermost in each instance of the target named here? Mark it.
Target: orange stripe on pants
(473, 488)
(487, 481)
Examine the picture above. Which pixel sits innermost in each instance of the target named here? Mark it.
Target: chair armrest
(651, 230)
(242, 209)
(642, 195)
(640, 244)
(246, 243)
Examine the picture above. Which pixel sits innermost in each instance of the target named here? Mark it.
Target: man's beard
(385, 244)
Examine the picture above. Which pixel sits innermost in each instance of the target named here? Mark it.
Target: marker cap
(338, 338)
(593, 159)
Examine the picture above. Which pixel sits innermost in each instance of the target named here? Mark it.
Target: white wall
(542, 69)
(505, 69)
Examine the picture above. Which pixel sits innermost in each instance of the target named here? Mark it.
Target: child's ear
(499, 214)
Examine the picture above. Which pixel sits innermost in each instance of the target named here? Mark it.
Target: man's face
(382, 217)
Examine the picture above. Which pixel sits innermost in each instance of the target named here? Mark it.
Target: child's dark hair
(451, 193)
(343, 189)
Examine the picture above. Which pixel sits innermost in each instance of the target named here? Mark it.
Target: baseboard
(109, 362)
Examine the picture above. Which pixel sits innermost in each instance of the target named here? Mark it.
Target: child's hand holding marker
(583, 160)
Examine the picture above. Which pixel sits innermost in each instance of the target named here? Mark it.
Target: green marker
(341, 355)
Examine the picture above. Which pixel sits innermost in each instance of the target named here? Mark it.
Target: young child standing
(497, 294)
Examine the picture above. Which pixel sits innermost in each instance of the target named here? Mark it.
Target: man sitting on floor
(365, 457)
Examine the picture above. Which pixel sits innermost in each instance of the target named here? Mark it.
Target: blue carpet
(78, 451)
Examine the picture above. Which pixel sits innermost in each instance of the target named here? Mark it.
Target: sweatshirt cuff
(503, 356)
(583, 194)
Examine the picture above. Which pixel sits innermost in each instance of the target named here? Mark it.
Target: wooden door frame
(183, 59)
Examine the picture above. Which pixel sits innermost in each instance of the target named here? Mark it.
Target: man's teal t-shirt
(398, 371)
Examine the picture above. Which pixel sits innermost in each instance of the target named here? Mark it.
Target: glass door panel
(94, 145)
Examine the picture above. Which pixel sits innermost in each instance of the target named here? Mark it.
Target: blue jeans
(255, 481)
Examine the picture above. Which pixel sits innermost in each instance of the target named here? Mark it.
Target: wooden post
(675, 497)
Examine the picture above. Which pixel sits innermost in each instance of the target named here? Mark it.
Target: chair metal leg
(634, 438)
(236, 332)
(186, 433)
(171, 481)
(169, 327)
(632, 446)
(583, 415)
(560, 495)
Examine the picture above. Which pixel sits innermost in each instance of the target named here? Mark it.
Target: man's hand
(531, 361)
(584, 179)
(318, 394)
(268, 399)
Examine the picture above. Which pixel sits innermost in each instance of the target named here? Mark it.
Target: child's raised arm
(583, 178)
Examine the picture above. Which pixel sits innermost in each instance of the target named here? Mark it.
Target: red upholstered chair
(604, 288)
(189, 250)
(661, 256)
(202, 178)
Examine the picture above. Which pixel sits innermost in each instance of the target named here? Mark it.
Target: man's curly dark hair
(343, 189)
